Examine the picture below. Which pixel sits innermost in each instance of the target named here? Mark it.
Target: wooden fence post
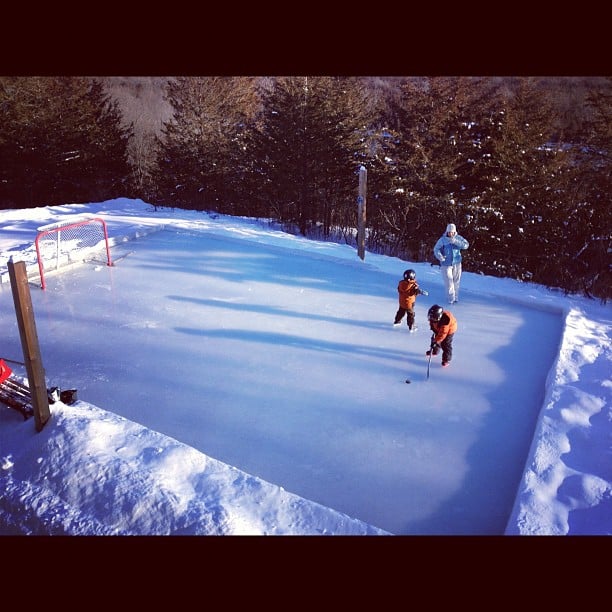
(29, 342)
(361, 212)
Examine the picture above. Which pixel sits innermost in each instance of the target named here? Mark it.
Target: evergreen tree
(435, 120)
(586, 219)
(61, 140)
(302, 156)
(516, 184)
(105, 149)
(194, 152)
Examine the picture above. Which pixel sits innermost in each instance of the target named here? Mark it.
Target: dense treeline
(487, 154)
(61, 140)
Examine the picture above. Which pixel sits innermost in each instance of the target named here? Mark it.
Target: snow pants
(447, 348)
(399, 315)
(452, 279)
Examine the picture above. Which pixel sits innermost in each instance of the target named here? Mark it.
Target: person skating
(443, 324)
(447, 251)
(407, 290)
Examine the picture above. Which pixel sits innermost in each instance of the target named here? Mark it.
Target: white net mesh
(61, 244)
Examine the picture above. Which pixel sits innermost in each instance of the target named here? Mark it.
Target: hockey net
(65, 243)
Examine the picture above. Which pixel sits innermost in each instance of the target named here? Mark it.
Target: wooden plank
(29, 342)
(361, 212)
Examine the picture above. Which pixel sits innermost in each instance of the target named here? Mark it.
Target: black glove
(434, 345)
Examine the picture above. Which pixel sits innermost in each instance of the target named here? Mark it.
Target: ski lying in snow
(15, 394)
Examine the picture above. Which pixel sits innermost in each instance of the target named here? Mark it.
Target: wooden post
(29, 342)
(361, 212)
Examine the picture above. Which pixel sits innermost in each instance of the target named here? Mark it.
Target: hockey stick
(430, 352)
(13, 361)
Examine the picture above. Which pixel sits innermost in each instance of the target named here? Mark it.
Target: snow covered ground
(234, 379)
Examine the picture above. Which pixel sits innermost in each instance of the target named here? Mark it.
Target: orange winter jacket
(407, 290)
(445, 326)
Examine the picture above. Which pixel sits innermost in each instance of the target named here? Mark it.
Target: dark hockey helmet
(435, 313)
(409, 275)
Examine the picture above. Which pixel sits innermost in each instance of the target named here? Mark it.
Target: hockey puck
(408, 381)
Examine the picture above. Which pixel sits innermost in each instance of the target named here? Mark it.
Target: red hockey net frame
(70, 242)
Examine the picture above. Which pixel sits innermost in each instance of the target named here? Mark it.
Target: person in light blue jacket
(447, 251)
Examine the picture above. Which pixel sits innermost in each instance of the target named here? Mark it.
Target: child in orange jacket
(407, 290)
(443, 325)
